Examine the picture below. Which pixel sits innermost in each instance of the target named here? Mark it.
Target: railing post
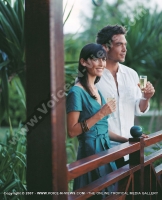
(137, 158)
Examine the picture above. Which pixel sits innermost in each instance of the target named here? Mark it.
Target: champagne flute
(143, 82)
(110, 98)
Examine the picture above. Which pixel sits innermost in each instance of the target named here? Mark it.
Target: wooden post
(46, 157)
(137, 158)
(58, 88)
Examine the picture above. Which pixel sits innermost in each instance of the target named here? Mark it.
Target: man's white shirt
(127, 98)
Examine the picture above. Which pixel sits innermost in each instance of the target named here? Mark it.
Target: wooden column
(58, 88)
(46, 157)
(137, 158)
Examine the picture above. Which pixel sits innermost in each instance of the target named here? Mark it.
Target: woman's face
(95, 66)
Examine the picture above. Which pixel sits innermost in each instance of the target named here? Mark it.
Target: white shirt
(128, 99)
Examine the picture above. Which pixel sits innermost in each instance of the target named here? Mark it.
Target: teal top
(96, 139)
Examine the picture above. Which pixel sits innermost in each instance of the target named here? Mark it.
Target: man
(122, 82)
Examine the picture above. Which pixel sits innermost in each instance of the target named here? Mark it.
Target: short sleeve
(74, 101)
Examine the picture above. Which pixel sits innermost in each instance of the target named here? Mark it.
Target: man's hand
(144, 136)
(149, 91)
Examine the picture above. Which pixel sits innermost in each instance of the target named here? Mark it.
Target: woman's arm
(74, 128)
(117, 138)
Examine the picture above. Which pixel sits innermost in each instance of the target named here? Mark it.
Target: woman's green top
(93, 141)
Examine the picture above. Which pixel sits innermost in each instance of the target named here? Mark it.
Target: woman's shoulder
(74, 100)
(75, 91)
(76, 88)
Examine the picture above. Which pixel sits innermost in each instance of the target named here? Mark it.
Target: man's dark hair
(104, 36)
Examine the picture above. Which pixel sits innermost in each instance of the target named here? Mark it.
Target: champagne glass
(143, 82)
(110, 98)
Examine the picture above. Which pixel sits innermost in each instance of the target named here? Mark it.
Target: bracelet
(84, 126)
(87, 129)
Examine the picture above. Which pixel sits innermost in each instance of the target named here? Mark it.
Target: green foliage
(157, 162)
(13, 164)
(16, 104)
(144, 49)
(67, 17)
(12, 33)
(12, 50)
(71, 149)
(150, 123)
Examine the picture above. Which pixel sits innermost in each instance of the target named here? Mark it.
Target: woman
(87, 113)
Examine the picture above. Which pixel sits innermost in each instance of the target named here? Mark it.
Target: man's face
(118, 50)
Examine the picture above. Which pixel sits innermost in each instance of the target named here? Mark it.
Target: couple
(101, 75)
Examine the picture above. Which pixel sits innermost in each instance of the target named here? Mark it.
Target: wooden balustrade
(136, 180)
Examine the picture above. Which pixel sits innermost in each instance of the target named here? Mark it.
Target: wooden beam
(84, 165)
(152, 157)
(102, 182)
(46, 157)
(153, 138)
(59, 170)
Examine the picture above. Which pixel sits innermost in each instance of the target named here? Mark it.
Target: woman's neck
(91, 80)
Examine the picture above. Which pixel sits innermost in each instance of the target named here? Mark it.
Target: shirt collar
(121, 69)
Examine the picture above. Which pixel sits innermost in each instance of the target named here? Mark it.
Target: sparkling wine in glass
(110, 98)
(143, 82)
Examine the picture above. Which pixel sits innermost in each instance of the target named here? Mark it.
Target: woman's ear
(83, 62)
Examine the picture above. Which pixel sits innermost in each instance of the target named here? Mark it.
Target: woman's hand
(117, 138)
(108, 108)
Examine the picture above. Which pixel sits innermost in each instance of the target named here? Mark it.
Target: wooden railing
(136, 180)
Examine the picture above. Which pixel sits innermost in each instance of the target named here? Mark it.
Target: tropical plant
(17, 107)
(12, 98)
(144, 50)
(12, 52)
(13, 165)
(71, 149)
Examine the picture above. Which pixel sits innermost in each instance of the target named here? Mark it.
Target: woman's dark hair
(91, 51)
(104, 36)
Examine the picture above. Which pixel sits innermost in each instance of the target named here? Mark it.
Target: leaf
(10, 35)
(68, 14)
(20, 90)
(5, 92)
(2, 108)
(65, 8)
(11, 17)
(3, 64)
